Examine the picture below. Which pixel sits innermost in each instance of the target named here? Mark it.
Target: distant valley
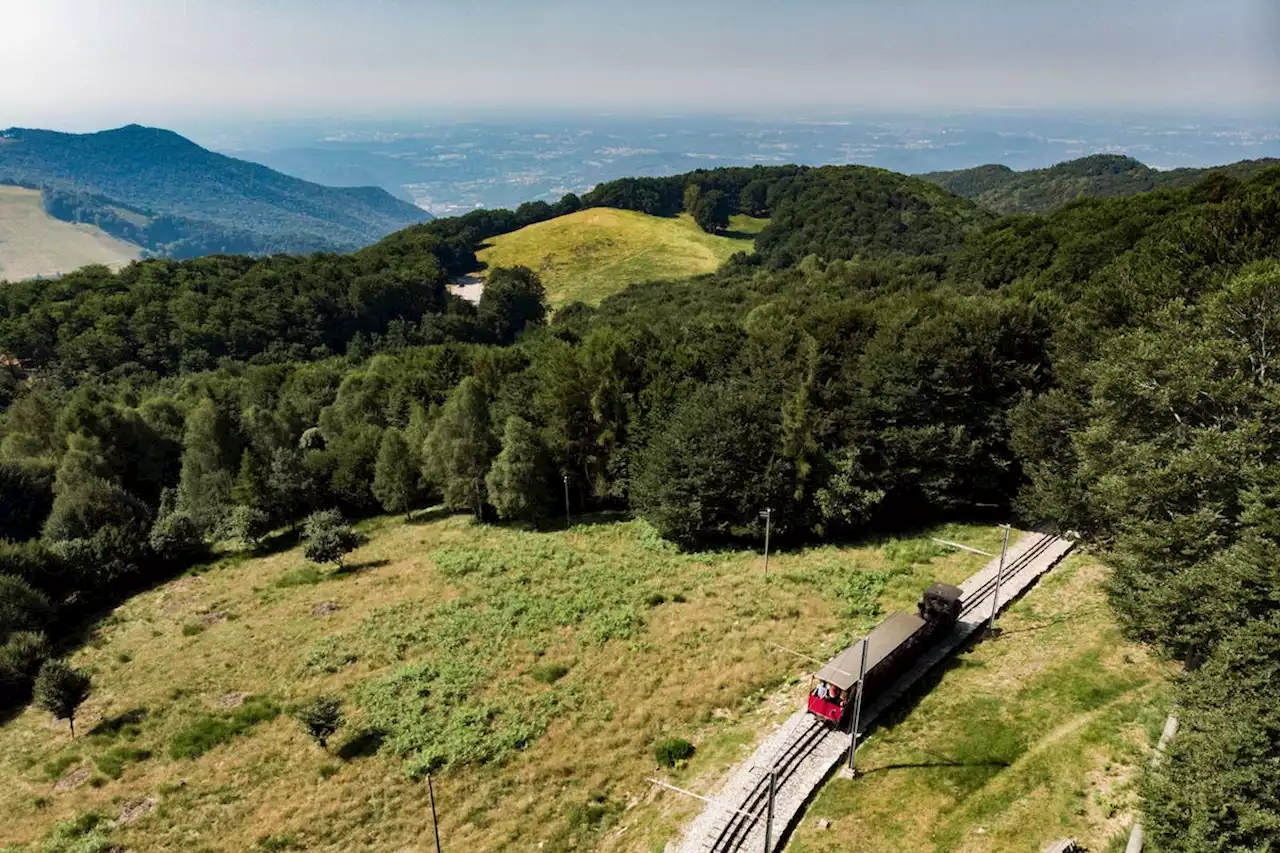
(452, 165)
(109, 197)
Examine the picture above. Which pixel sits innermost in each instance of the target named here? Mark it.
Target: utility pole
(767, 515)
(995, 598)
(857, 708)
(568, 522)
(435, 824)
(768, 817)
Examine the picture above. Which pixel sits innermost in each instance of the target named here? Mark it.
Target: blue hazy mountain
(167, 194)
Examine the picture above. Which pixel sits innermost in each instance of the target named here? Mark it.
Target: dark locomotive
(892, 647)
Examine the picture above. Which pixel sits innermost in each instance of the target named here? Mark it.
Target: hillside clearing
(33, 243)
(560, 657)
(593, 253)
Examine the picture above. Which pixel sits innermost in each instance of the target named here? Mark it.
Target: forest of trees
(890, 356)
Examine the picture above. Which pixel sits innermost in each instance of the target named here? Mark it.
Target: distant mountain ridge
(1003, 190)
(163, 192)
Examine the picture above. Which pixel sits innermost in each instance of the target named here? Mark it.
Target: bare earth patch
(136, 809)
(72, 779)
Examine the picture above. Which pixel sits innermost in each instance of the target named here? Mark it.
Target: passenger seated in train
(829, 693)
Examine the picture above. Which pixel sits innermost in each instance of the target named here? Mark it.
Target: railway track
(748, 813)
(978, 597)
(752, 809)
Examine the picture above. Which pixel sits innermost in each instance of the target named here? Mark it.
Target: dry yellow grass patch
(33, 243)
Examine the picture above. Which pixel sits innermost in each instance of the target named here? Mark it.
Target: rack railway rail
(805, 749)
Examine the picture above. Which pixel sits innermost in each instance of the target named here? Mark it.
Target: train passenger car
(892, 647)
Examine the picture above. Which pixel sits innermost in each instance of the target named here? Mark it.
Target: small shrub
(191, 629)
(673, 750)
(272, 843)
(548, 673)
(328, 539)
(98, 781)
(124, 657)
(679, 598)
(321, 717)
(328, 770)
(61, 690)
(653, 599)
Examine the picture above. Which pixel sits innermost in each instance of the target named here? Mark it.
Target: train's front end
(821, 705)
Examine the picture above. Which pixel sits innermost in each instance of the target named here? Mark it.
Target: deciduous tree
(61, 690)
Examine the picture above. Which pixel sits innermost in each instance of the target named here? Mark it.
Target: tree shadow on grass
(283, 540)
(120, 723)
(924, 765)
(360, 567)
(362, 744)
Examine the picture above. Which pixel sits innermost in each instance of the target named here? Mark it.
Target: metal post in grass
(857, 708)
(568, 522)
(995, 596)
(435, 823)
(767, 515)
(768, 816)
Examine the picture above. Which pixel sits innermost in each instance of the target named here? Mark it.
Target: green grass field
(593, 253)
(535, 672)
(34, 243)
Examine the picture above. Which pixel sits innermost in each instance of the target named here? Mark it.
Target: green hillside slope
(1003, 190)
(182, 200)
(594, 253)
(33, 243)
(537, 670)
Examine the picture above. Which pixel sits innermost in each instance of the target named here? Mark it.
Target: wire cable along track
(806, 749)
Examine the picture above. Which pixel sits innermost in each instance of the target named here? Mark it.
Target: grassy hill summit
(588, 255)
(164, 193)
(1003, 190)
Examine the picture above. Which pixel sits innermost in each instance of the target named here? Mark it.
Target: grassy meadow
(593, 253)
(532, 674)
(34, 243)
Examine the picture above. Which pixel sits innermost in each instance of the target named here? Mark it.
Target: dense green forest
(890, 356)
(1003, 190)
(157, 190)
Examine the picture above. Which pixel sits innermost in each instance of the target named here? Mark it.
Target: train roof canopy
(842, 670)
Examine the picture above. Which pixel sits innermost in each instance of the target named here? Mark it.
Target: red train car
(892, 646)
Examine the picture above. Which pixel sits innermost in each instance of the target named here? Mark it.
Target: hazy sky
(77, 64)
